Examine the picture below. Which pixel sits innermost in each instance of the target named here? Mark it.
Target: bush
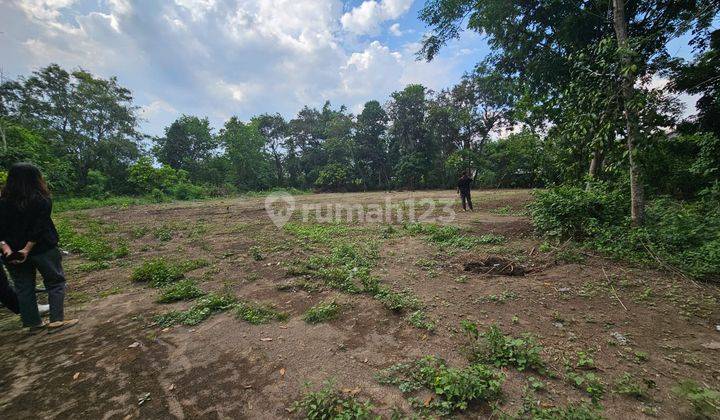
(573, 212)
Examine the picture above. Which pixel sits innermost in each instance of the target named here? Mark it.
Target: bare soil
(226, 368)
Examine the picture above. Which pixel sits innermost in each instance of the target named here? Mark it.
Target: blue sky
(219, 58)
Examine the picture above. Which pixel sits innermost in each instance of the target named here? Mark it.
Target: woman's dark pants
(49, 264)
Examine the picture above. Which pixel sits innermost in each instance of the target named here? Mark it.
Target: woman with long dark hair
(28, 240)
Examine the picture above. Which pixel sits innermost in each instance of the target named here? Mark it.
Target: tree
(188, 143)
(275, 130)
(535, 40)
(371, 145)
(245, 148)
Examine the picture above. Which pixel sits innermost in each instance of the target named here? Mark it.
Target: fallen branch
(613, 289)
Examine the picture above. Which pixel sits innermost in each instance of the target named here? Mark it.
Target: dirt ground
(571, 300)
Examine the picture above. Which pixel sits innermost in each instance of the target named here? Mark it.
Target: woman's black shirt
(30, 224)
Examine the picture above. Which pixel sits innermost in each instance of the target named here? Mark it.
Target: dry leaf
(76, 375)
(172, 387)
(282, 371)
(266, 339)
(428, 400)
(133, 345)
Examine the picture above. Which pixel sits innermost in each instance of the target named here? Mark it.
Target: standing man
(463, 188)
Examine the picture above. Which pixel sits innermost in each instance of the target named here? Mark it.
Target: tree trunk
(637, 199)
(595, 165)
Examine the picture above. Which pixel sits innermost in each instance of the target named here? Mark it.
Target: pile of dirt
(496, 266)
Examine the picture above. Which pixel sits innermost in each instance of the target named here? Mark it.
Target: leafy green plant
(454, 389)
(185, 289)
(704, 401)
(331, 404)
(256, 253)
(322, 312)
(420, 320)
(258, 313)
(493, 347)
(585, 360)
(588, 382)
(628, 385)
(205, 307)
(91, 243)
(450, 236)
(159, 272)
(398, 301)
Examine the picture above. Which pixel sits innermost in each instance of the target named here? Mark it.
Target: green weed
(205, 307)
(258, 313)
(420, 320)
(704, 401)
(632, 387)
(322, 312)
(493, 347)
(454, 389)
(588, 382)
(331, 404)
(185, 289)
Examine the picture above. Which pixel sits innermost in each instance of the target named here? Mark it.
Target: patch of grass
(532, 410)
(256, 253)
(93, 266)
(64, 204)
(420, 320)
(495, 348)
(258, 313)
(454, 389)
(159, 272)
(322, 312)
(298, 284)
(588, 382)
(185, 289)
(450, 236)
(329, 403)
(346, 268)
(704, 401)
(163, 233)
(503, 297)
(628, 385)
(398, 301)
(205, 307)
(92, 243)
(321, 233)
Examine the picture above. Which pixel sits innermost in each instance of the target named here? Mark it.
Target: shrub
(328, 403)
(574, 212)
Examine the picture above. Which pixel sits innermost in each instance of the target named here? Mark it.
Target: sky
(219, 58)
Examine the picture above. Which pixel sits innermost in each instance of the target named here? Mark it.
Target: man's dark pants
(465, 196)
(49, 264)
(7, 295)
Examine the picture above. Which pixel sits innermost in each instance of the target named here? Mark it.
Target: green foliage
(398, 301)
(322, 312)
(454, 389)
(704, 401)
(531, 410)
(333, 177)
(493, 347)
(573, 212)
(321, 233)
(420, 320)
(330, 404)
(90, 243)
(449, 236)
(256, 253)
(628, 385)
(588, 382)
(185, 289)
(258, 313)
(204, 308)
(159, 272)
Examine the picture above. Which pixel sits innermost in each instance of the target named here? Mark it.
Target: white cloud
(366, 18)
(395, 29)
